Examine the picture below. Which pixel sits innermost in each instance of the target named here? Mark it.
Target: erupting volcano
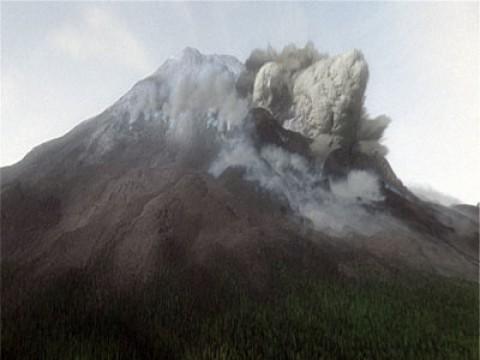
(211, 167)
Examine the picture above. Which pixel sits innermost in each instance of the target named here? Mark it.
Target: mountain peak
(191, 54)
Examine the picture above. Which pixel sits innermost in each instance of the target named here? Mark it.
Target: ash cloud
(319, 96)
(204, 104)
(292, 59)
(322, 98)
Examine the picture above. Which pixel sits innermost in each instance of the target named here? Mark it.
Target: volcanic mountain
(211, 166)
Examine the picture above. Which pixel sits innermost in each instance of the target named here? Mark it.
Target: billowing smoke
(339, 211)
(206, 99)
(291, 58)
(321, 98)
(318, 96)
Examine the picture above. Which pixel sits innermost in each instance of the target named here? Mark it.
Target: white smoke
(203, 98)
(359, 185)
(328, 96)
(197, 99)
(291, 58)
(318, 96)
(370, 133)
(189, 95)
(200, 98)
(322, 98)
(271, 89)
(338, 212)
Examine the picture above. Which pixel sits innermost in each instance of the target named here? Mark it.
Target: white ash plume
(318, 96)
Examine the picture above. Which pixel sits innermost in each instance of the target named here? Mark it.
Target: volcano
(206, 171)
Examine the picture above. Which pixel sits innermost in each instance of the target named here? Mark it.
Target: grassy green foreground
(305, 318)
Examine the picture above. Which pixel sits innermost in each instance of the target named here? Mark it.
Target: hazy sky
(65, 62)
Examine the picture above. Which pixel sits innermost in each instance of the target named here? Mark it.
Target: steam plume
(206, 99)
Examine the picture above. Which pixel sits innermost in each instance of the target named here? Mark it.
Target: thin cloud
(99, 35)
(427, 193)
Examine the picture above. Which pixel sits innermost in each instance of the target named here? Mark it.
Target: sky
(64, 62)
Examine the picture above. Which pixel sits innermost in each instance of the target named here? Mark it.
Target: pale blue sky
(65, 62)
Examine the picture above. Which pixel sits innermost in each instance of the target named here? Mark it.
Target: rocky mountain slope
(148, 230)
(183, 170)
